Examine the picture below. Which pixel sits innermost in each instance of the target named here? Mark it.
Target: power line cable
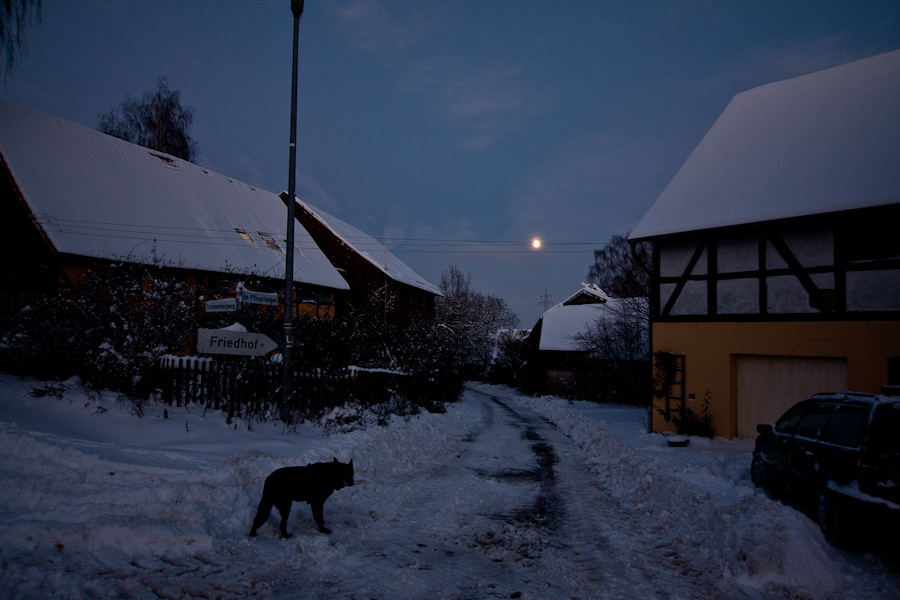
(180, 234)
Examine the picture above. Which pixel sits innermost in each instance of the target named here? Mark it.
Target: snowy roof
(821, 143)
(98, 196)
(371, 249)
(590, 293)
(561, 323)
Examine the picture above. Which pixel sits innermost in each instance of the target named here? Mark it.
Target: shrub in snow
(424, 351)
(512, 361)
(114, 323)
(107, 326)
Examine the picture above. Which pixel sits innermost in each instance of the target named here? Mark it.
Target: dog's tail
(262, 513)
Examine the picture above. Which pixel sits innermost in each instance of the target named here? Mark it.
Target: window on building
(269, 240)
(245, 236)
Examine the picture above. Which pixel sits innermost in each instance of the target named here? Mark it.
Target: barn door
(769, 385)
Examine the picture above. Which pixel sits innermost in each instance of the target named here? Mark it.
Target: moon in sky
(535, 243)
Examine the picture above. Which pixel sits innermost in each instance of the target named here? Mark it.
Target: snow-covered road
(506, 509)
(501, 497)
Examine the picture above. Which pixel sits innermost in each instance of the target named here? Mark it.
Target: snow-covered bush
(425, 352)
(108, 325)
(112, 324)
(510, 364)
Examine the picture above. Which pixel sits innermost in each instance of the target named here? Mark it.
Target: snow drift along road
(502, 495)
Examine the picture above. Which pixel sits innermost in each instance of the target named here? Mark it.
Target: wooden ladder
(675, 394)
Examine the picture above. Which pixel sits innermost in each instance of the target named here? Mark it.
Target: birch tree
(156, 121)
(15, 17)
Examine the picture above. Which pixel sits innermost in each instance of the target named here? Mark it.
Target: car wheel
(758, 473)
(829, 517)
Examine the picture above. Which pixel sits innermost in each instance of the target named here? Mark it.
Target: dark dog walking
(313, 484)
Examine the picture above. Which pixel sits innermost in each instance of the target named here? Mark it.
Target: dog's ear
(335, 458)
(351, 462)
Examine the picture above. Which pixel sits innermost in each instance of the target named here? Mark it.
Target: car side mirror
(763, 428)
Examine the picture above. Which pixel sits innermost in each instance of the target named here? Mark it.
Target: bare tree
(617, 346)
(156, 121)
(617, 343)
(473, 317)
(623, 269)
(15, 17)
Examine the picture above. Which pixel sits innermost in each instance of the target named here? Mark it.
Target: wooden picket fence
(251, 387)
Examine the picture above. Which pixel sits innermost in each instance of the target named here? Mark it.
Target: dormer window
(245, 236)
(269, 240)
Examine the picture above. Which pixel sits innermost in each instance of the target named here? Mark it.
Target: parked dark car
(837, 456)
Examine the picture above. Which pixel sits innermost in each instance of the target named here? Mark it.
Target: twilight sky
(453, 131)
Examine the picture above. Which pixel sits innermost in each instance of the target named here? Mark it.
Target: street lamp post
(297, 10)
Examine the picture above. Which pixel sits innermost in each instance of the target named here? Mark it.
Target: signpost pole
(297, 10)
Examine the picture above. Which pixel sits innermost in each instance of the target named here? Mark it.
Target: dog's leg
(262, 514)
(318, 516)
(285, 509)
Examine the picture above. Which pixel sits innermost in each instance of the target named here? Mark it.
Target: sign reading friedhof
(238, 343)
(224, 305)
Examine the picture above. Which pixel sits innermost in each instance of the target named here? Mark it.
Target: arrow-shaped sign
(240, 343)
(258, 297)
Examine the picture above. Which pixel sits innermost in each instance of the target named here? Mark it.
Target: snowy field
(504, 496)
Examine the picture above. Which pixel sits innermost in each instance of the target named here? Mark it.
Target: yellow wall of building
(710, 350)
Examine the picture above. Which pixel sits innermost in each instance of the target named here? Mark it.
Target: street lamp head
(297, 7)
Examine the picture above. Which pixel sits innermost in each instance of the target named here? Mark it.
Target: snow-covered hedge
(113, 324)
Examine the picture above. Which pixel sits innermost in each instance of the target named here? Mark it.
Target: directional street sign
(239, 343)
(259, 297)
(224, 305)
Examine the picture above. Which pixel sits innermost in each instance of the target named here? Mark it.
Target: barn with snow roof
(777, 249)
(562, 341)
(72, 198)
(379, 281)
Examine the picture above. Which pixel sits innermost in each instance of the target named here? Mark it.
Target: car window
(814, 420)
(787, 424)
(845, 428)
(884, 443)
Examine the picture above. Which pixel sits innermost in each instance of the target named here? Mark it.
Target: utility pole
(297, 10)
(546, 300)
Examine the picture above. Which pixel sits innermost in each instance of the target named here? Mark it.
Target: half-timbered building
(777, 250)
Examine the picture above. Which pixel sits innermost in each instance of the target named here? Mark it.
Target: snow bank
(99, 488)
(99, 503)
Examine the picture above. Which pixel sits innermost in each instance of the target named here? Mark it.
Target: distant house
(777, 249)
(72, 199)
(559, 342)
(379, 281)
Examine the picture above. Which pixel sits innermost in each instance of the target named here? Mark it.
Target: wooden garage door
(769, 385)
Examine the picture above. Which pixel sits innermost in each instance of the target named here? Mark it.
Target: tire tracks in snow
(509, 508)
(593, 540)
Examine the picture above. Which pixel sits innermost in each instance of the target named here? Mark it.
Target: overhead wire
(226, 237)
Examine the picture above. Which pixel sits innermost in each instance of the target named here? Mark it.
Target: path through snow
(503, 496)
